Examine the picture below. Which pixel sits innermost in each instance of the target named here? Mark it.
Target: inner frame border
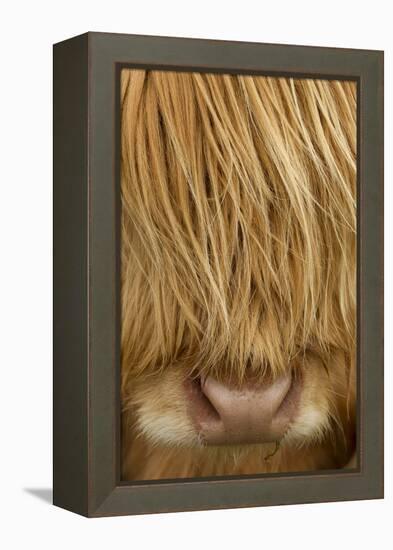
(117, 178)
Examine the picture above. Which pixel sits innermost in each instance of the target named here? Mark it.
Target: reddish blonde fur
(238, 258)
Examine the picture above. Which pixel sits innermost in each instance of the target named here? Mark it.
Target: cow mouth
(251, 413)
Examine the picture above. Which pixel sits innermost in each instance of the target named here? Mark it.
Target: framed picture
(218, 274)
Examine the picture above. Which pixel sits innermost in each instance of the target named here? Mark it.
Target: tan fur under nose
(238, 262)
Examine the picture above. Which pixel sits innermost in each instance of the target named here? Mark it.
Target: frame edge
(70, 271)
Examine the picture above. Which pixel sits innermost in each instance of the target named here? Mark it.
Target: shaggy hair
(238, 259)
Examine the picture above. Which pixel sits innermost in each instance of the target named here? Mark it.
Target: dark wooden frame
(86, 413)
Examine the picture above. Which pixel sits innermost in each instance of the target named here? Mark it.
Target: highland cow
(238, 274)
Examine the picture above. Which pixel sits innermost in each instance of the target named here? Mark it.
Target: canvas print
(238, 274)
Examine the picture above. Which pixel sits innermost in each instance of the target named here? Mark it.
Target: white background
(28, 30)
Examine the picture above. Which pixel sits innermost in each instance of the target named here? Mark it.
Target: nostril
(227, 414)
(230, 400)
(203, 409)
(224, 398)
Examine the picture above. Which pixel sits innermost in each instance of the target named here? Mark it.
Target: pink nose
(252, 413)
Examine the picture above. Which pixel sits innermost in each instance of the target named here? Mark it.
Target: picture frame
(86, 373)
